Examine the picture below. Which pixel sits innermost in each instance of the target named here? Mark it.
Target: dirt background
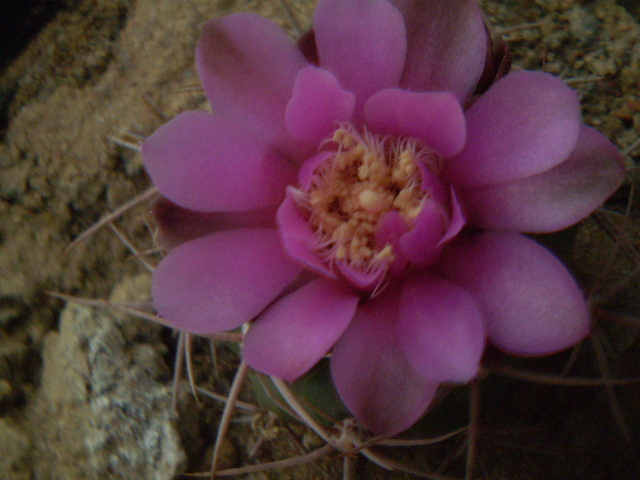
(86, 393)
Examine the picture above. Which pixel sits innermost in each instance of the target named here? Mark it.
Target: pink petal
(308, 168)
(317, 103)
(292, 335)
(209, 163)
(389, 230)
(526, 123)
(298, 239)
(363, 42)
(447, 45)
(372, 373)
(554, 199)
(218, 282)
(441, 329)
(457, 221)
(421, 244)
(247, 65)
(531, 303)
(362, 280)
(177, 225)
(435, 118)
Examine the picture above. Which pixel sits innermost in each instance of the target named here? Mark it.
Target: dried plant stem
(250, 407)
(136, 147)
(92, 302)
(472, 436)
(123, 238)
(125, 207)
(560, 380)
(177, 371)
(227, 412)
(292, 17)
(295, 405)
(391, 442)
(611, 394)
(289, 462)
(187, 339)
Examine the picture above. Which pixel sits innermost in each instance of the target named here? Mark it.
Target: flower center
(367, 177)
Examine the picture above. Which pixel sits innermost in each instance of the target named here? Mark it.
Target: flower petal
(456, 222)
(317, 103)
(554, 199)
(526, 123)
(435, 118)
(531, 303)
(298, 330)
(363, 42)
(441, 329)
(297, 237)
(421, 244)
(372, 373)
(247, 65)
(218, 282)
(447, 44)
(209, 163)
(177, 225)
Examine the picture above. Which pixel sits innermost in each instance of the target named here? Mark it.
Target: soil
(87, 393)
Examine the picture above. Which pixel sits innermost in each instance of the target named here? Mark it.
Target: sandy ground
(86, 393)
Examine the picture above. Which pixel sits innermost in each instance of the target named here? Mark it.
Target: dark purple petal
(177, 225)
(363, 42)
(218, 282)
(298, 330)
(317, 103)
(247, 65)
(297, 237)
(525, 124)
(372, 373)
(446, 48)
(554, 199)
(435, 118)
(440, 329)
(531, 303)
(209, 163)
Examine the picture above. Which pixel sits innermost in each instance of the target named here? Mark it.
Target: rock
(100, 412)
(14, 461)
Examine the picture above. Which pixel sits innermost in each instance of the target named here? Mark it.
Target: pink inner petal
(526, 123)
(292, 335)
(372, 373)
(421, 244)
(435, 118)
(363, 42)
(218, 282)
(554, 199)
(210, 163)
(390, 228)
(440, 329)
(247, 65)
(531, 303)
(308, 168)
(297, 237)
(366, 280)
(456, 222)
(317, 103)
(446, 45)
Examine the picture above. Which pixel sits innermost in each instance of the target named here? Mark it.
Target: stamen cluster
(367, 177)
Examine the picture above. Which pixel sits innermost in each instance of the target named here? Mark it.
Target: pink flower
(362, 158)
